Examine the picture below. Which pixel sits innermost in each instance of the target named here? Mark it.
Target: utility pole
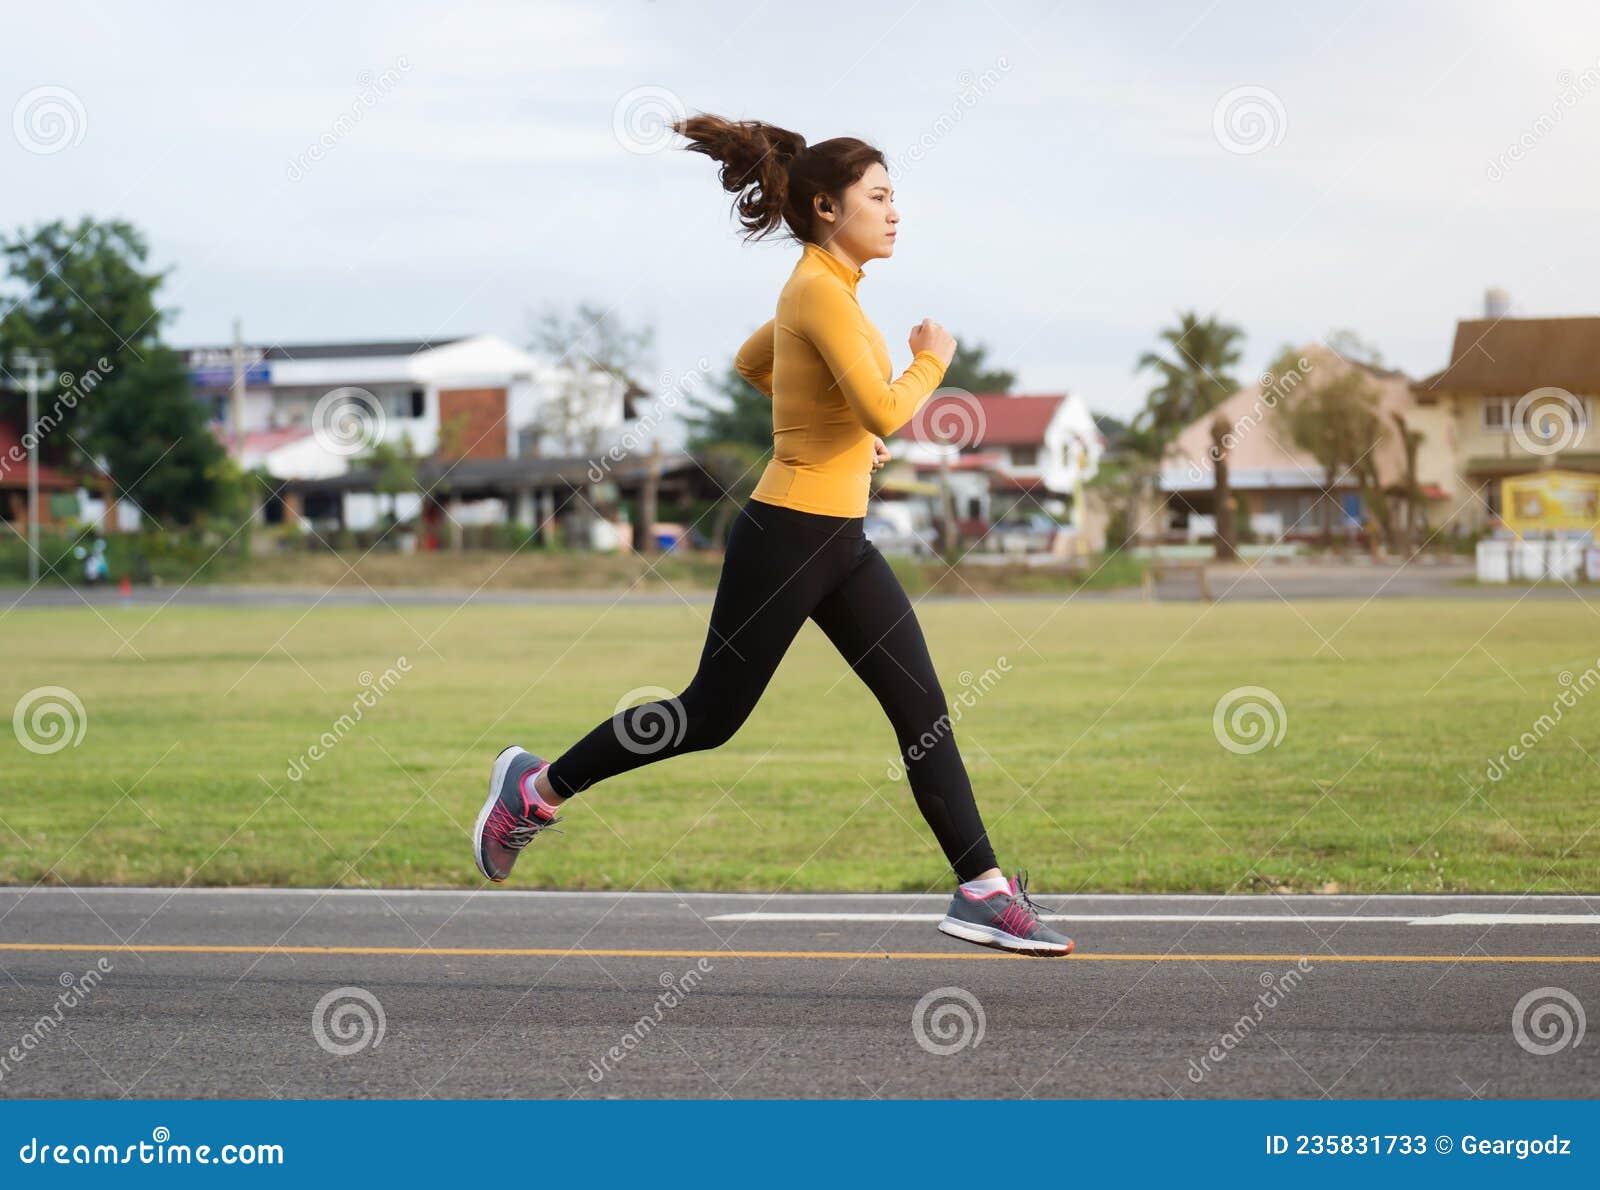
(33, 364)
(644, 540)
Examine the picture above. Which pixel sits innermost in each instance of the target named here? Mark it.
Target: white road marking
(1510, 919)
(1288, 919)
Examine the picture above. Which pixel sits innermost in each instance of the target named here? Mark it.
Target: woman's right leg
(778, 564)
(871, 621)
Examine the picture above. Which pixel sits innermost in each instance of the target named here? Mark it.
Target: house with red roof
(58, 491)
(1004, 457)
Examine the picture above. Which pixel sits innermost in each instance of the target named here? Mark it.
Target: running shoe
(509, 819)
(1006, 920)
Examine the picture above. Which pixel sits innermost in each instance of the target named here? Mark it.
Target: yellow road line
(561, 952)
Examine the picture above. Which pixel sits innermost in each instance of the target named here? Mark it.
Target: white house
(310, 410)
(1007, 455)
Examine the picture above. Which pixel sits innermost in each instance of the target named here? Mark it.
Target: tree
(394, 465)
(1243, 533)
(1410, 443)
(1124, 483)
(86, 301)
(740, 413)
(1222, 494)
(1194, 377)
(1114, 430)
(1351, 347)
(152, 434)
(967, 371)
(735, 467)
(597, 357)
(1337, 423)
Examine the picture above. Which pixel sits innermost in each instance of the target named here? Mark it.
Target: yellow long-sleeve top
(827, 370)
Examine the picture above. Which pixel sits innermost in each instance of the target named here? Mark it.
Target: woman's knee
(921, 723)
(708, 720)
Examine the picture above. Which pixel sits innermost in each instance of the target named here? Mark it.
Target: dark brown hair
(774, 173)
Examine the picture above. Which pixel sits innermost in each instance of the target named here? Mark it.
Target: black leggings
(783, 565)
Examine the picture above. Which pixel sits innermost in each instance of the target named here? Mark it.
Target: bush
(1119, 568)
(514, 537)
(910, 573)
(170, 557)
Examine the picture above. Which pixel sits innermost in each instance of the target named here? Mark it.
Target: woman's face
(865, 228)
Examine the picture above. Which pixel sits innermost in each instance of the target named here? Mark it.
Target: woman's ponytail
(755, 161)
(776, 175)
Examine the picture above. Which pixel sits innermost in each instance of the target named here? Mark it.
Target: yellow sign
(1550, 500)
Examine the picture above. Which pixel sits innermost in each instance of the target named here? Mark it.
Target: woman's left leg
(871, 622)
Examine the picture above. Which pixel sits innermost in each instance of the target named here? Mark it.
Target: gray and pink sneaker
(510, 818)
(1006, 920)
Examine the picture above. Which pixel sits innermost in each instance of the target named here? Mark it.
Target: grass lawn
(1090, 743)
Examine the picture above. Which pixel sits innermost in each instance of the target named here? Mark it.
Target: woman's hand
(928, 335)
(880, 453)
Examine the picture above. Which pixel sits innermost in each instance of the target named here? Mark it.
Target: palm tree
(1193, 370)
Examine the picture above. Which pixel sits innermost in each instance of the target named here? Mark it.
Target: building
(1518, 397)
(577, 500)
(1005, 458)
(59, 499)
(1284, 487)
(312, 410)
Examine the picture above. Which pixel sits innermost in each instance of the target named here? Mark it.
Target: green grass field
(1093, 753)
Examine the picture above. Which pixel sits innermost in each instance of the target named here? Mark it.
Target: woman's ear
(823, 206)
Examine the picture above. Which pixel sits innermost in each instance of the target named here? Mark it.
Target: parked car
(1033, 534)
(892, 539)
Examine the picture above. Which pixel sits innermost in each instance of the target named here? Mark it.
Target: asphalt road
(200, 993)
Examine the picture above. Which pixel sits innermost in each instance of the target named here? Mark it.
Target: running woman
(797, 548)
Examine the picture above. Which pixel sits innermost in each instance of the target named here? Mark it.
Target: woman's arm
(832, 320)
(754, 361)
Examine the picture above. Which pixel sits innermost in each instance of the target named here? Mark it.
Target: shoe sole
(497, 778)
(1000, 940)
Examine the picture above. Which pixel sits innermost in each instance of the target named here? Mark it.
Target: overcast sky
(1070, 175)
